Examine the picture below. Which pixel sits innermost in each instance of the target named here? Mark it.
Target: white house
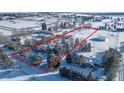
(120, 25)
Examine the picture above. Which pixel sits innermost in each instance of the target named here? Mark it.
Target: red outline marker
(14, 55)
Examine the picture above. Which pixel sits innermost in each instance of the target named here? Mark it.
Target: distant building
(120, 25)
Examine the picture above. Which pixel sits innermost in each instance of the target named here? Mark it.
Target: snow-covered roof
(85, 15)
(121, 22)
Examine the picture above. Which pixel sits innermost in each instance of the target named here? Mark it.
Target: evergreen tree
(76, 42)
(63, 40)
(68, 72)
(62, 25)
(56, 49)
(89, 47)
(53, 61)
(89, 77)
(12, 45)
(5, 60)
(69, 58)
(49, 29)
(111, 63)
(63, 71)
(37, 60)
(85, 47)
(44, 26)
(81, 60)
(75, 57)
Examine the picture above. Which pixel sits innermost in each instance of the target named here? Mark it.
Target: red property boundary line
(14, 55)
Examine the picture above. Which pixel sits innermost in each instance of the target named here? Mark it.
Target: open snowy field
(17, 24)
(111, 41)
(5, 32)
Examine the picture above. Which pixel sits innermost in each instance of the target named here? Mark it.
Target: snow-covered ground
(18, 24)
(26, 72)
(5, 32)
